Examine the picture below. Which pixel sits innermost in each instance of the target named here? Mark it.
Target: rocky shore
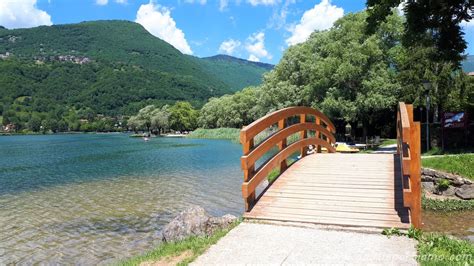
(195, 221)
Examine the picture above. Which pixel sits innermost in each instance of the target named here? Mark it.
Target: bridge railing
(408, 148)
(323, 130)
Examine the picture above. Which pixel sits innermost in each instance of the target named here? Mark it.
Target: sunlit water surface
(87, 199)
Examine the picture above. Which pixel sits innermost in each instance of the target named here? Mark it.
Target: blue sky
(258, 30)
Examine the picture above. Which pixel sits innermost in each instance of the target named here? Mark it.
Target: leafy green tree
(183, 116)
(35, 123)
(160, 119)
(428, 23)
(50, 124)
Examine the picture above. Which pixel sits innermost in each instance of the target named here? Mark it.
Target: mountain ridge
(111, 66)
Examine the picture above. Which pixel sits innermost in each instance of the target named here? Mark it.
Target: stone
(450, 191)
(428, 186)
(457, 181)
(426, 178)
(466, 192)
(435, 175)
(194, 221)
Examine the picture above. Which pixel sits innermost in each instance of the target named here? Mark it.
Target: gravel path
(252, 243)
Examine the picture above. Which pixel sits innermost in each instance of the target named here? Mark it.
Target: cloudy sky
(258, 30)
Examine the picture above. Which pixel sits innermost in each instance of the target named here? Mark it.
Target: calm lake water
(87, 199)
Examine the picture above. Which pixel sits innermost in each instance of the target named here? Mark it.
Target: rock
(194, 221)
(426, 178)
(428, 186)
(435, 175)
(450, 191)
(466, 192)
(457, 181)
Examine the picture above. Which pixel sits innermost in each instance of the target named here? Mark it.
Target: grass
(386, 142)
(439, 151)
(447, 205)
(437, 249)
(462, 164)
(216, 133)
(194, 245)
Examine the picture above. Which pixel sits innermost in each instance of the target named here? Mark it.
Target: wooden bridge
(368, 190)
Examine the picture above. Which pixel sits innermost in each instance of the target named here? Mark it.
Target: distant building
(9, 128)
(470, 73)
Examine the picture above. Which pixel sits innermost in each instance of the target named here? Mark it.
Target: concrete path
(252, 243)
(388, 149)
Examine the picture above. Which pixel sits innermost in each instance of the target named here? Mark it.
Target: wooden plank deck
(337, 189)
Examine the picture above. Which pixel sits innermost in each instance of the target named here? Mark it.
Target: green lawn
(386, 142)
(462, 164)
(192, 246)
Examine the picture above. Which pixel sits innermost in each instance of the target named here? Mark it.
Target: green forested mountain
(235, 72)
(107, 67)
(468, 64)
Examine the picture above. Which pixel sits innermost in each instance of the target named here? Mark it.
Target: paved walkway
(252, 243)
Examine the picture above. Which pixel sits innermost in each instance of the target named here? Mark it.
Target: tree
(134, 123)
(143, 118)
(160, 119)
(349, 74)
(49, 124)
(183, 116)
(34, 124)
(234, 110)
(428, 23)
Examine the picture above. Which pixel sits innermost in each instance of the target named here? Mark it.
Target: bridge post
(318, 135)
(248, 174)
(282, 145)
(303, 134)
(415, 174)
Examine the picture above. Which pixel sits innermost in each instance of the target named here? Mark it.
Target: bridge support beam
(282, 145)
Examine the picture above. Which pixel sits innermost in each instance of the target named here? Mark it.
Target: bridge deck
(337, 189)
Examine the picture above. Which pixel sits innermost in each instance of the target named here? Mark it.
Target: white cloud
(253, 58)
(321, 17)
(278, 18)
(263, 2)
(229, 46)
(22, 14)
(256, 47)
(105, 2)
(158, 21)
(223, 4)
(202, 2)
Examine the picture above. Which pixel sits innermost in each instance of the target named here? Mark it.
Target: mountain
(468, 64)
(109, 67)
(235, 72)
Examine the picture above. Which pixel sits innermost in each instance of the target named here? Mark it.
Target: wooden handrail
(409, 152)
(322, 126)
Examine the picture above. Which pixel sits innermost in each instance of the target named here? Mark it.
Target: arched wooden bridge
(368, 190)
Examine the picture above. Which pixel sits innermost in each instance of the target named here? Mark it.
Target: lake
(92, 198)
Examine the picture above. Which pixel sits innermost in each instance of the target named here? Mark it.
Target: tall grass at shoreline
(216, 133)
